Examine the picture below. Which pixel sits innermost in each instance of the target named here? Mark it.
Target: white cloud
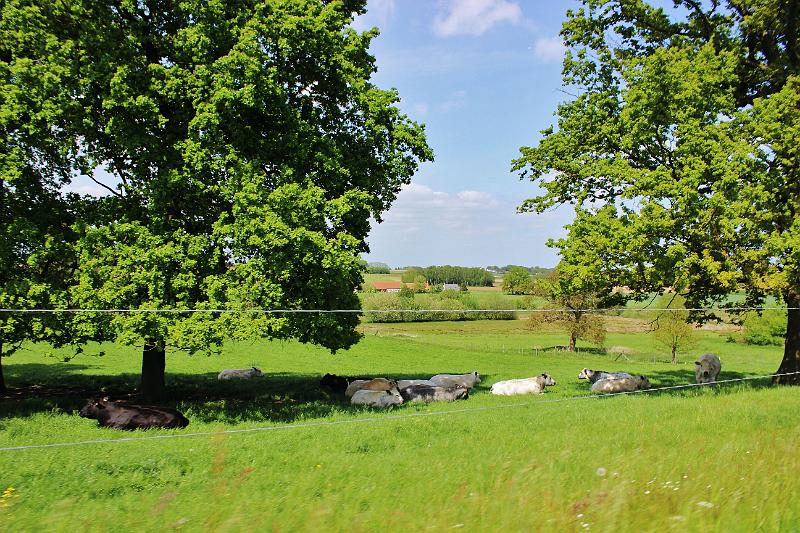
(379, 13)
(549, 49)
(474, 17)
(420, 108)
(456, 100)
(469, 228)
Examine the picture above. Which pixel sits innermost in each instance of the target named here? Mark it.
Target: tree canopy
(680, 150)
(243, 149)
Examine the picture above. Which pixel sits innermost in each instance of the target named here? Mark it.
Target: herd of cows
(385, 392)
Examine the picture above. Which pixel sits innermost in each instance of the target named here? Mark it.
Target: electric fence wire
(327, 311)
(384, 418)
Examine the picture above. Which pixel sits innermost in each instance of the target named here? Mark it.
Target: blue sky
(484, 76)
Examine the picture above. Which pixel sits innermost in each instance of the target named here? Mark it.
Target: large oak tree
(243, 150)
(680, 150)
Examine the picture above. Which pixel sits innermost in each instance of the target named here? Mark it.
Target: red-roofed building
(392, 286)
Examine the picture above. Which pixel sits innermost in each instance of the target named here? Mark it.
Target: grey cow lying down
(113, 415)
(429, 393)
(240, 373)
(596, 375)
(630, 384)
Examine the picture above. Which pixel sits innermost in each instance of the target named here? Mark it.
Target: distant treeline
(437, 275)
(378, 268)
(536, 272)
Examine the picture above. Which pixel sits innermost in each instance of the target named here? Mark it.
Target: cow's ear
(697, 362)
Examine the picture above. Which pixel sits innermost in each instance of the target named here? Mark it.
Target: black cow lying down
(338, 383)
(112, 415)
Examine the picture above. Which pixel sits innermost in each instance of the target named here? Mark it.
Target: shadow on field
(275, 397)
(669, 378)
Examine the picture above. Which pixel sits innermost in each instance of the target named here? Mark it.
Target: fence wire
(328, 311)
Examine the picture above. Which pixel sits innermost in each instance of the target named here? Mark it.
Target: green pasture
(717, 459)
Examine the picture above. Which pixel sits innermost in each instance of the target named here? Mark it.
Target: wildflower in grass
(6, 496)
(707, 505)
(601, 471)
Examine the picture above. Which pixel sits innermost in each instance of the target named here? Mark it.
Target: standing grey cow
(706, 369)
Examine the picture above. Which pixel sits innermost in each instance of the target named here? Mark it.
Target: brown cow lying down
(112, 415)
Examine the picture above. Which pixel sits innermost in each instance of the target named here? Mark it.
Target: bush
(449, 305)
(767, 329)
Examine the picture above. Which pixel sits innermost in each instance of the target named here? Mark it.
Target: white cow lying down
(377, 398)
(455, 380)
(513, 387)
(622, 384)
(240, 373)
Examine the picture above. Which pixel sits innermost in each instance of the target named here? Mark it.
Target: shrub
(766, 329)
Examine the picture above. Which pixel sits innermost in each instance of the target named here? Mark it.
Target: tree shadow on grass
(274, 397)
(678, 377)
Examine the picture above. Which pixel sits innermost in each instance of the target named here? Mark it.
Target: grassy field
(719, 459)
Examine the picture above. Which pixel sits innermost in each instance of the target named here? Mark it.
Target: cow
(453, 380)
(594, 376)
(240, 373)
(377, 398)
(112, 415)
(630, 384)
(427, 393)
(376, 384)
(405, 383)
(338, 384)
(513, 387)
(706, 369)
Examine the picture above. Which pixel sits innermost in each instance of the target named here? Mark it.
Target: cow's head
(94, 407)
(548, 380)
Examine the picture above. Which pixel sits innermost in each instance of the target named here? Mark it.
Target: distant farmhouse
(451, 287)
(393, 286)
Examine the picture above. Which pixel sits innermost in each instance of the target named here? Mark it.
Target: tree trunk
(573, 339)
(791, 350)
(153, 365)
(674, 354)
(2, 379)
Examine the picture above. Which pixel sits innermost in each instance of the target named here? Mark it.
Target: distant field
(719, 459)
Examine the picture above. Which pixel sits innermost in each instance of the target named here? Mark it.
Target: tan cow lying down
(513, 387)
(377, 384)
(706, 369)
(622, 384)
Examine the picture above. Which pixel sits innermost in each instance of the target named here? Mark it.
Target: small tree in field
(517, 280)
(567, 308)
(672, 328)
